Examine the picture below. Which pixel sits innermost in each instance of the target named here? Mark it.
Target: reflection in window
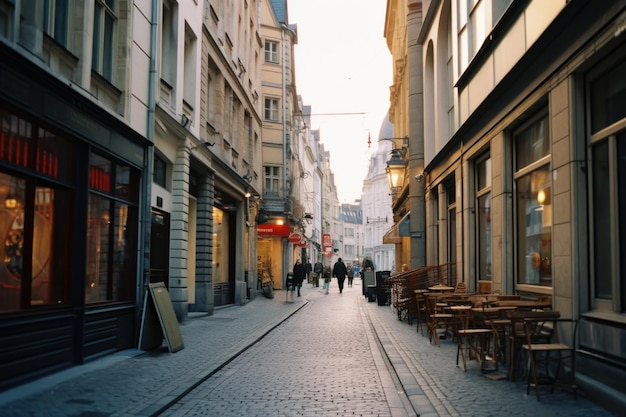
(533, 205)
(110, 230)
(40, 277)
(483, 218)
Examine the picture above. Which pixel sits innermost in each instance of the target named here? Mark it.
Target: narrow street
(323, 361)
(319, 355)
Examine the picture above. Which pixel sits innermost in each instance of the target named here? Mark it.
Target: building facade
(207, 170)
(523, 159)
(75, 152)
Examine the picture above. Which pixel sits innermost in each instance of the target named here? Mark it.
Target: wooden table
(522, 304)
(441, 288)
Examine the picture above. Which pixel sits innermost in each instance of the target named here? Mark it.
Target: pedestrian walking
(327, 272)
(350, 275)
(308, 268)
(340, 271)
(299, 272)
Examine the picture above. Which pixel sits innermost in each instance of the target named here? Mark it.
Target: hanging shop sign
(295, 237)
(302, 244)
(327, 243)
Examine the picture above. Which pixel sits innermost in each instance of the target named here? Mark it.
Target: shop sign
(295, 237)
(326, 241)
(302, 244)
(269, 229)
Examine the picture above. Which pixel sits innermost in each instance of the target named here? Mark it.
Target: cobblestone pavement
(322, 355)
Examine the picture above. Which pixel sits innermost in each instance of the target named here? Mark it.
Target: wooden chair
(421, 310)
(436, 319)
(472, 342)
(545, 342)
(517, 333)
(460, 288)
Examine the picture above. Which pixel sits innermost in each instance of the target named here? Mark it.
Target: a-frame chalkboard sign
(158, 309)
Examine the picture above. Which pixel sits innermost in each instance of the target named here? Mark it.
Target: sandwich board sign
(158, 309)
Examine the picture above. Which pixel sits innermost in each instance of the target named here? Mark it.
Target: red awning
(269, 229)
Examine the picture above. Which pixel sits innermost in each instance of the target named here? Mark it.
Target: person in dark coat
(340, 271)
(299, 272)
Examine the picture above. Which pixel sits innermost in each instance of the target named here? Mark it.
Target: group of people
(339, 271)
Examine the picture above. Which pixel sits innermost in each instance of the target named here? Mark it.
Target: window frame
(271, 181)
(530, 167)
(271, 106)
(104, 39)
(612, 134)
(270, 52)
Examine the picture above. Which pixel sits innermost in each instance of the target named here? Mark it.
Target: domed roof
(378, 160)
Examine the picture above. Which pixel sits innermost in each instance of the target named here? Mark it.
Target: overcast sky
(343, 71)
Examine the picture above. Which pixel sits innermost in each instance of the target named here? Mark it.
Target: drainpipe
(144, 261)
(284, 110)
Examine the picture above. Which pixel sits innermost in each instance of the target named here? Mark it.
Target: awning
(398, 230)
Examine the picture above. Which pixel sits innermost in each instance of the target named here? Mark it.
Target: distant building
(379, 242)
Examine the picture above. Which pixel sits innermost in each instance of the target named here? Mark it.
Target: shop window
(34, 208)
(607, 150)
(483, 218)
(533, 205)
(111, 231)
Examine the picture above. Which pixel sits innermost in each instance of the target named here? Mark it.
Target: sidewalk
(117, 386)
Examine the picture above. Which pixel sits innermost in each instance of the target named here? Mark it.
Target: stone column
(204, 247)
(179, 233)
(416, 135)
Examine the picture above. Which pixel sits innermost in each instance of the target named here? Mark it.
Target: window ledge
(606, 316)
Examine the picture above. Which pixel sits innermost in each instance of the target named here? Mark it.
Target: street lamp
(396, 167)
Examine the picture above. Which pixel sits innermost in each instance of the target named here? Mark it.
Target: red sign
(295, 237)
(326, 241)
(269, 229)
(329, 254)
(302, 244)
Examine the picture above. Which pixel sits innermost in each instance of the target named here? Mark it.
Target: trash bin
(371, 293)
(369, 278)
(381, 296)
(290, 286)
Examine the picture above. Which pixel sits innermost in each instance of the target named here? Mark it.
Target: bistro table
(441, 288)
(523, 304)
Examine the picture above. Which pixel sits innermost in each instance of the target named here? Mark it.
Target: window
(112, 220)
(483, 218)
(103, 37)
(271, 109)
(607, 150)
(34, 208)
(272, 181)
(56, 20)
(271, 52)
(533, 205)
(159, 171)
(476, 18)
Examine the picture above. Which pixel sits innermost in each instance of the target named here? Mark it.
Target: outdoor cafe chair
(437, 321)
(472, 342)
(550, 343)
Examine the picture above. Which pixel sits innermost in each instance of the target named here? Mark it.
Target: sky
(343, 71)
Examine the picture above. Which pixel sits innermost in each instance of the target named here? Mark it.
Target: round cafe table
(441, 288)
